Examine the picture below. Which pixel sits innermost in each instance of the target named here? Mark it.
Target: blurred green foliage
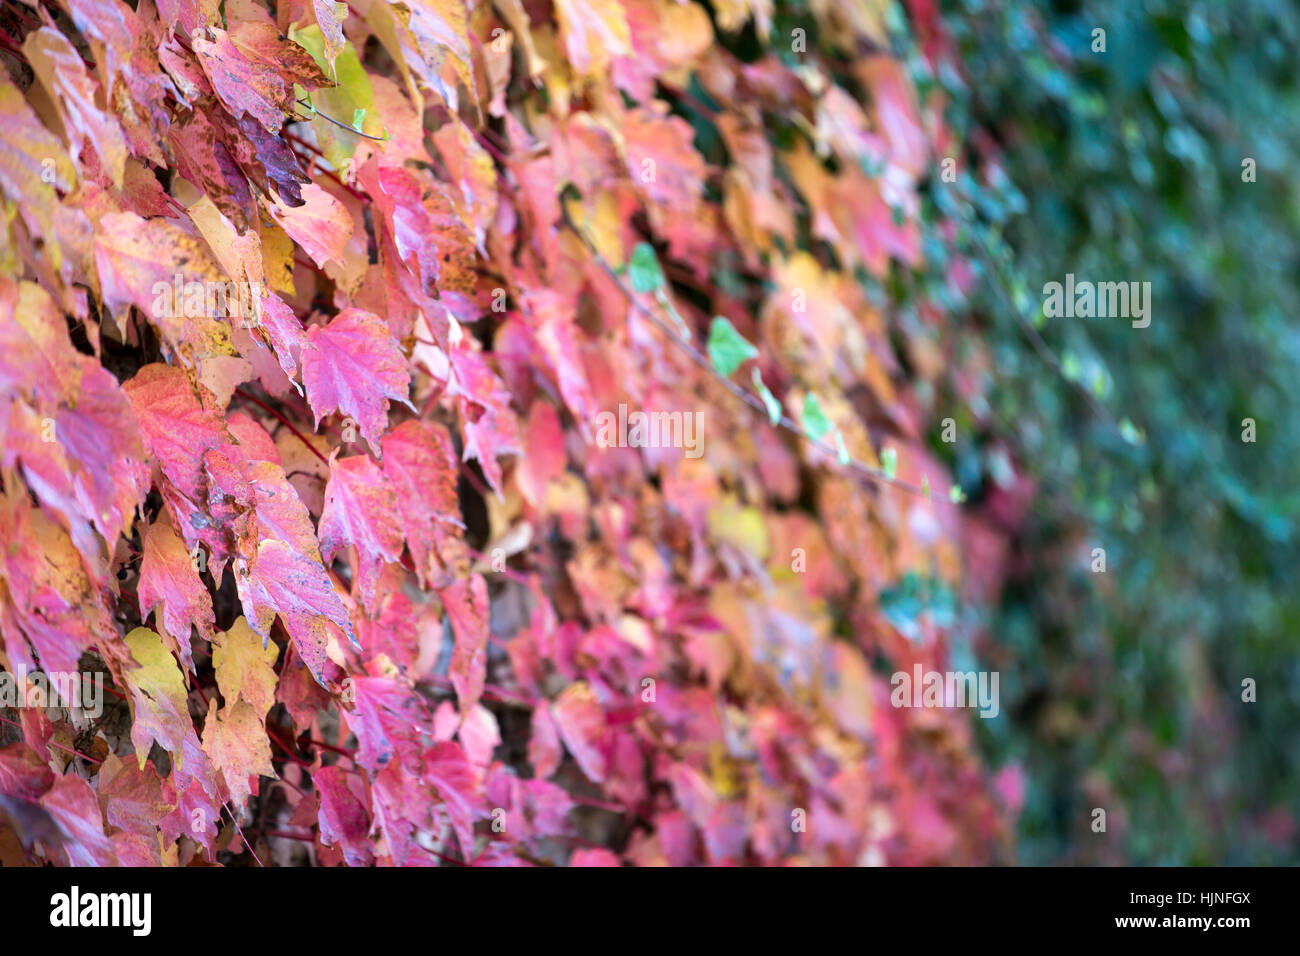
(1123, 690)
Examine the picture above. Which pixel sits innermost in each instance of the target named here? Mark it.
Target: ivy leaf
(728, 349)
(769, 400)
(643, 269)
(815, 422)
(581, 722)
(466, 603)
(245, 669)
(236, 740)
(361, 510)
(889, 462)
(353, 366)
(344, 819)
(283, 581)
(158, 694)
(168, 578)
(420, 465)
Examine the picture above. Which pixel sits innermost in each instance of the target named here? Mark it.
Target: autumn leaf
(253, 70)
(581, 724)
(175, 424)
(74, 807)
(168, 578)
(446, 768)
(236, 741)
(160, 712)
(245, 668)
(420, 465)
(344, 819)
(466, 603)
(65, 78)
(320, 224)
(284, 582)
(361, 512)
(353, 366)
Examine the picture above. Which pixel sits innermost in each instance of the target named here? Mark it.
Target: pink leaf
(361, 511)
(353, 366)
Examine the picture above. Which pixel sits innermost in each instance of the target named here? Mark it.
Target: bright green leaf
(889, 462)
(841, 450)
(769, 400)
(643, 268)
(815, 422)
(728, 349)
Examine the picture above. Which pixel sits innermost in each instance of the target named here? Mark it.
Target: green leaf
(1130, 432)
(841, 450)
(643, 268)
(815, 422)
(358, 117)
(769, 400)
(956, 495)
(728, 349)
(889, 462)
(925, 485)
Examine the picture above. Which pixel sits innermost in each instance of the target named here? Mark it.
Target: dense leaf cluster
(309, 312)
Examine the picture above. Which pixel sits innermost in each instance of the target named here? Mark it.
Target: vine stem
(341, 125)
(240, 830)
(75, 753)
(283, 421)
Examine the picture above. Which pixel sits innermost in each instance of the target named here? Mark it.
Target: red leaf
(581, 723)
(490, 425)
(343, 816)
(387, 718)
(253, 72)
(74, 806)
(449, 771)
(286, 582)
(420, 464)
(352, 366)
(544, 744)
(168, 578)
(361, 511)
(320, 224)
(176, 426)
(23, 773)
(467, 606)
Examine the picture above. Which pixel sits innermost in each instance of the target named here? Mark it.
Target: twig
(283, 421)
(350, 129)
(51, 743)
(240, 830)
